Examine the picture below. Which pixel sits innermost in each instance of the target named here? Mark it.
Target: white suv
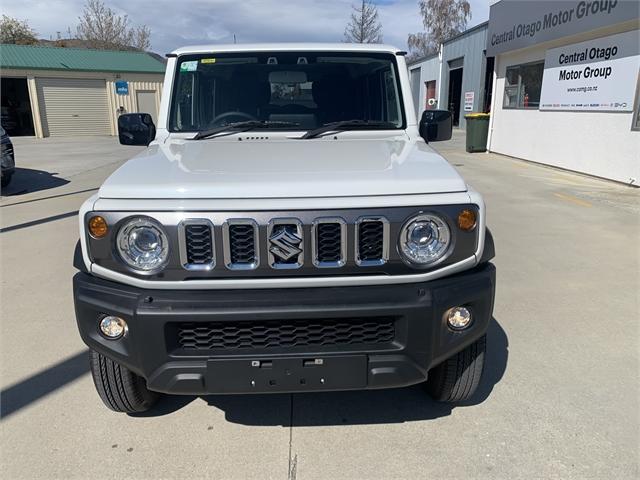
(287, 229)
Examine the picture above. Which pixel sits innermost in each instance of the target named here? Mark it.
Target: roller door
(71, 106)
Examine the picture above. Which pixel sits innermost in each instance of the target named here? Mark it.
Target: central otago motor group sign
(600, 74)
(515, 24)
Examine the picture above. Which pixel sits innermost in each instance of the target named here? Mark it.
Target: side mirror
(436, 125)
(136, 129)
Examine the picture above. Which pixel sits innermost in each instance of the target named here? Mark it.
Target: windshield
(307, 89)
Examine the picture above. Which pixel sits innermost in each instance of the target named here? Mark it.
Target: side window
(522, 86)
(392, 101)
(184, 116)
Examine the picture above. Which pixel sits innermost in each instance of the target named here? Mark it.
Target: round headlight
(424, 239)
(143, 245)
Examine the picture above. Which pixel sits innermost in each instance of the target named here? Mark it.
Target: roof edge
(468, 31)
(84, 70)
(422, 59)
(78, 49)
(292, 46)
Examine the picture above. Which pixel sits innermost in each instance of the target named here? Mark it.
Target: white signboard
(600, 74)
(468, 101)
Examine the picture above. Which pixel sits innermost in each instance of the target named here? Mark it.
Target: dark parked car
(8, 159)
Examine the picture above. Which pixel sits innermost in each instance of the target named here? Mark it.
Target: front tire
(457, 378)
(120, 389)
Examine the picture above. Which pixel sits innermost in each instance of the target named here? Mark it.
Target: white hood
(230, 168)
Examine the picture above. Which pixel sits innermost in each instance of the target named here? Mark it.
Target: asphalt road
(560, 398)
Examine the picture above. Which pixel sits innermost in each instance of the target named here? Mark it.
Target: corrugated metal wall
(469, 47)
(468, 50)
(73, 106)
(429, 70)
(129, 102)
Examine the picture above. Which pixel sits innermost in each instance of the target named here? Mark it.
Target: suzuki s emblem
(284, 242)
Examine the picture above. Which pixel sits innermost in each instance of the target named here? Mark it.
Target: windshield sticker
(208, 60)
(189, 66)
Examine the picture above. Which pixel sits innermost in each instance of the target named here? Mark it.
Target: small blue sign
(122, 87)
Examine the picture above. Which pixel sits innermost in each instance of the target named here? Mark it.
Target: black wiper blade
(346, 125)
(242, 127)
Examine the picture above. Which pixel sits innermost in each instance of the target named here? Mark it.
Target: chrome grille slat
(199, 244)
(372, 241)
(329, 238)
(197, 248)
(240, 242)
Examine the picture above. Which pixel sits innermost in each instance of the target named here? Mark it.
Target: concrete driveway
(560, 397)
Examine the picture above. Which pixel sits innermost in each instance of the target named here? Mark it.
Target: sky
(188, 22)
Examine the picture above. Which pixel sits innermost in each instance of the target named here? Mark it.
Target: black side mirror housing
(436, 125)
(136, 129)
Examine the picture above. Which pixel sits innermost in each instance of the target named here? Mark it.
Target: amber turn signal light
(467, 220)
(98, 227)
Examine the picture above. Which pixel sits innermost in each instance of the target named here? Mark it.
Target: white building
(566, 85)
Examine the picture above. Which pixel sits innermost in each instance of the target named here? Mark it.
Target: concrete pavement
(560, 397)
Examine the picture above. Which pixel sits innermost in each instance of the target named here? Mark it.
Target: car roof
(287, 47)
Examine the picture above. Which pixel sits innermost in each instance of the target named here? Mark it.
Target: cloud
(187, 22)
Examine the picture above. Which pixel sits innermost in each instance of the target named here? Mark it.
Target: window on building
(522, 85)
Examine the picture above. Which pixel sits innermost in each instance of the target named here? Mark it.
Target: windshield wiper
(242, 127)
(346, 125)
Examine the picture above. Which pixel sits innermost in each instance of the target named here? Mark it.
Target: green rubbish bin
(477, 130)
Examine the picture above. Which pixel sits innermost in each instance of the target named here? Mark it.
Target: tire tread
(457, 378)
(120, 389)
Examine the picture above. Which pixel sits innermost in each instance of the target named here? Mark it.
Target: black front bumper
(155, 318)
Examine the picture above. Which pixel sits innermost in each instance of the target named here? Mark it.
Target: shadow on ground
(27, 180)
(347, 408)
(41, 384)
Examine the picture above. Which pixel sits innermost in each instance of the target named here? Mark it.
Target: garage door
(70, 106)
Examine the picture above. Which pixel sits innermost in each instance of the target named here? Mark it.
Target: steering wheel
(240, 116)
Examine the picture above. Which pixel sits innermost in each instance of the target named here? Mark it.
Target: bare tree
(103, 28)
(442, 19)
(364, 26)
(17, 32)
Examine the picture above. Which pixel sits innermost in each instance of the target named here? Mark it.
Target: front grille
(199, 244)
(283, 334)
(242, 244)
(371, 241)
(268, 244)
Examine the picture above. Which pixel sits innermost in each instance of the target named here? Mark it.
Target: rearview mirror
(136, 129)
(436, 125)
(287, 77)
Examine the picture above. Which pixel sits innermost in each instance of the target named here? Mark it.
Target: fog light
(458, 318)
(113, 327)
